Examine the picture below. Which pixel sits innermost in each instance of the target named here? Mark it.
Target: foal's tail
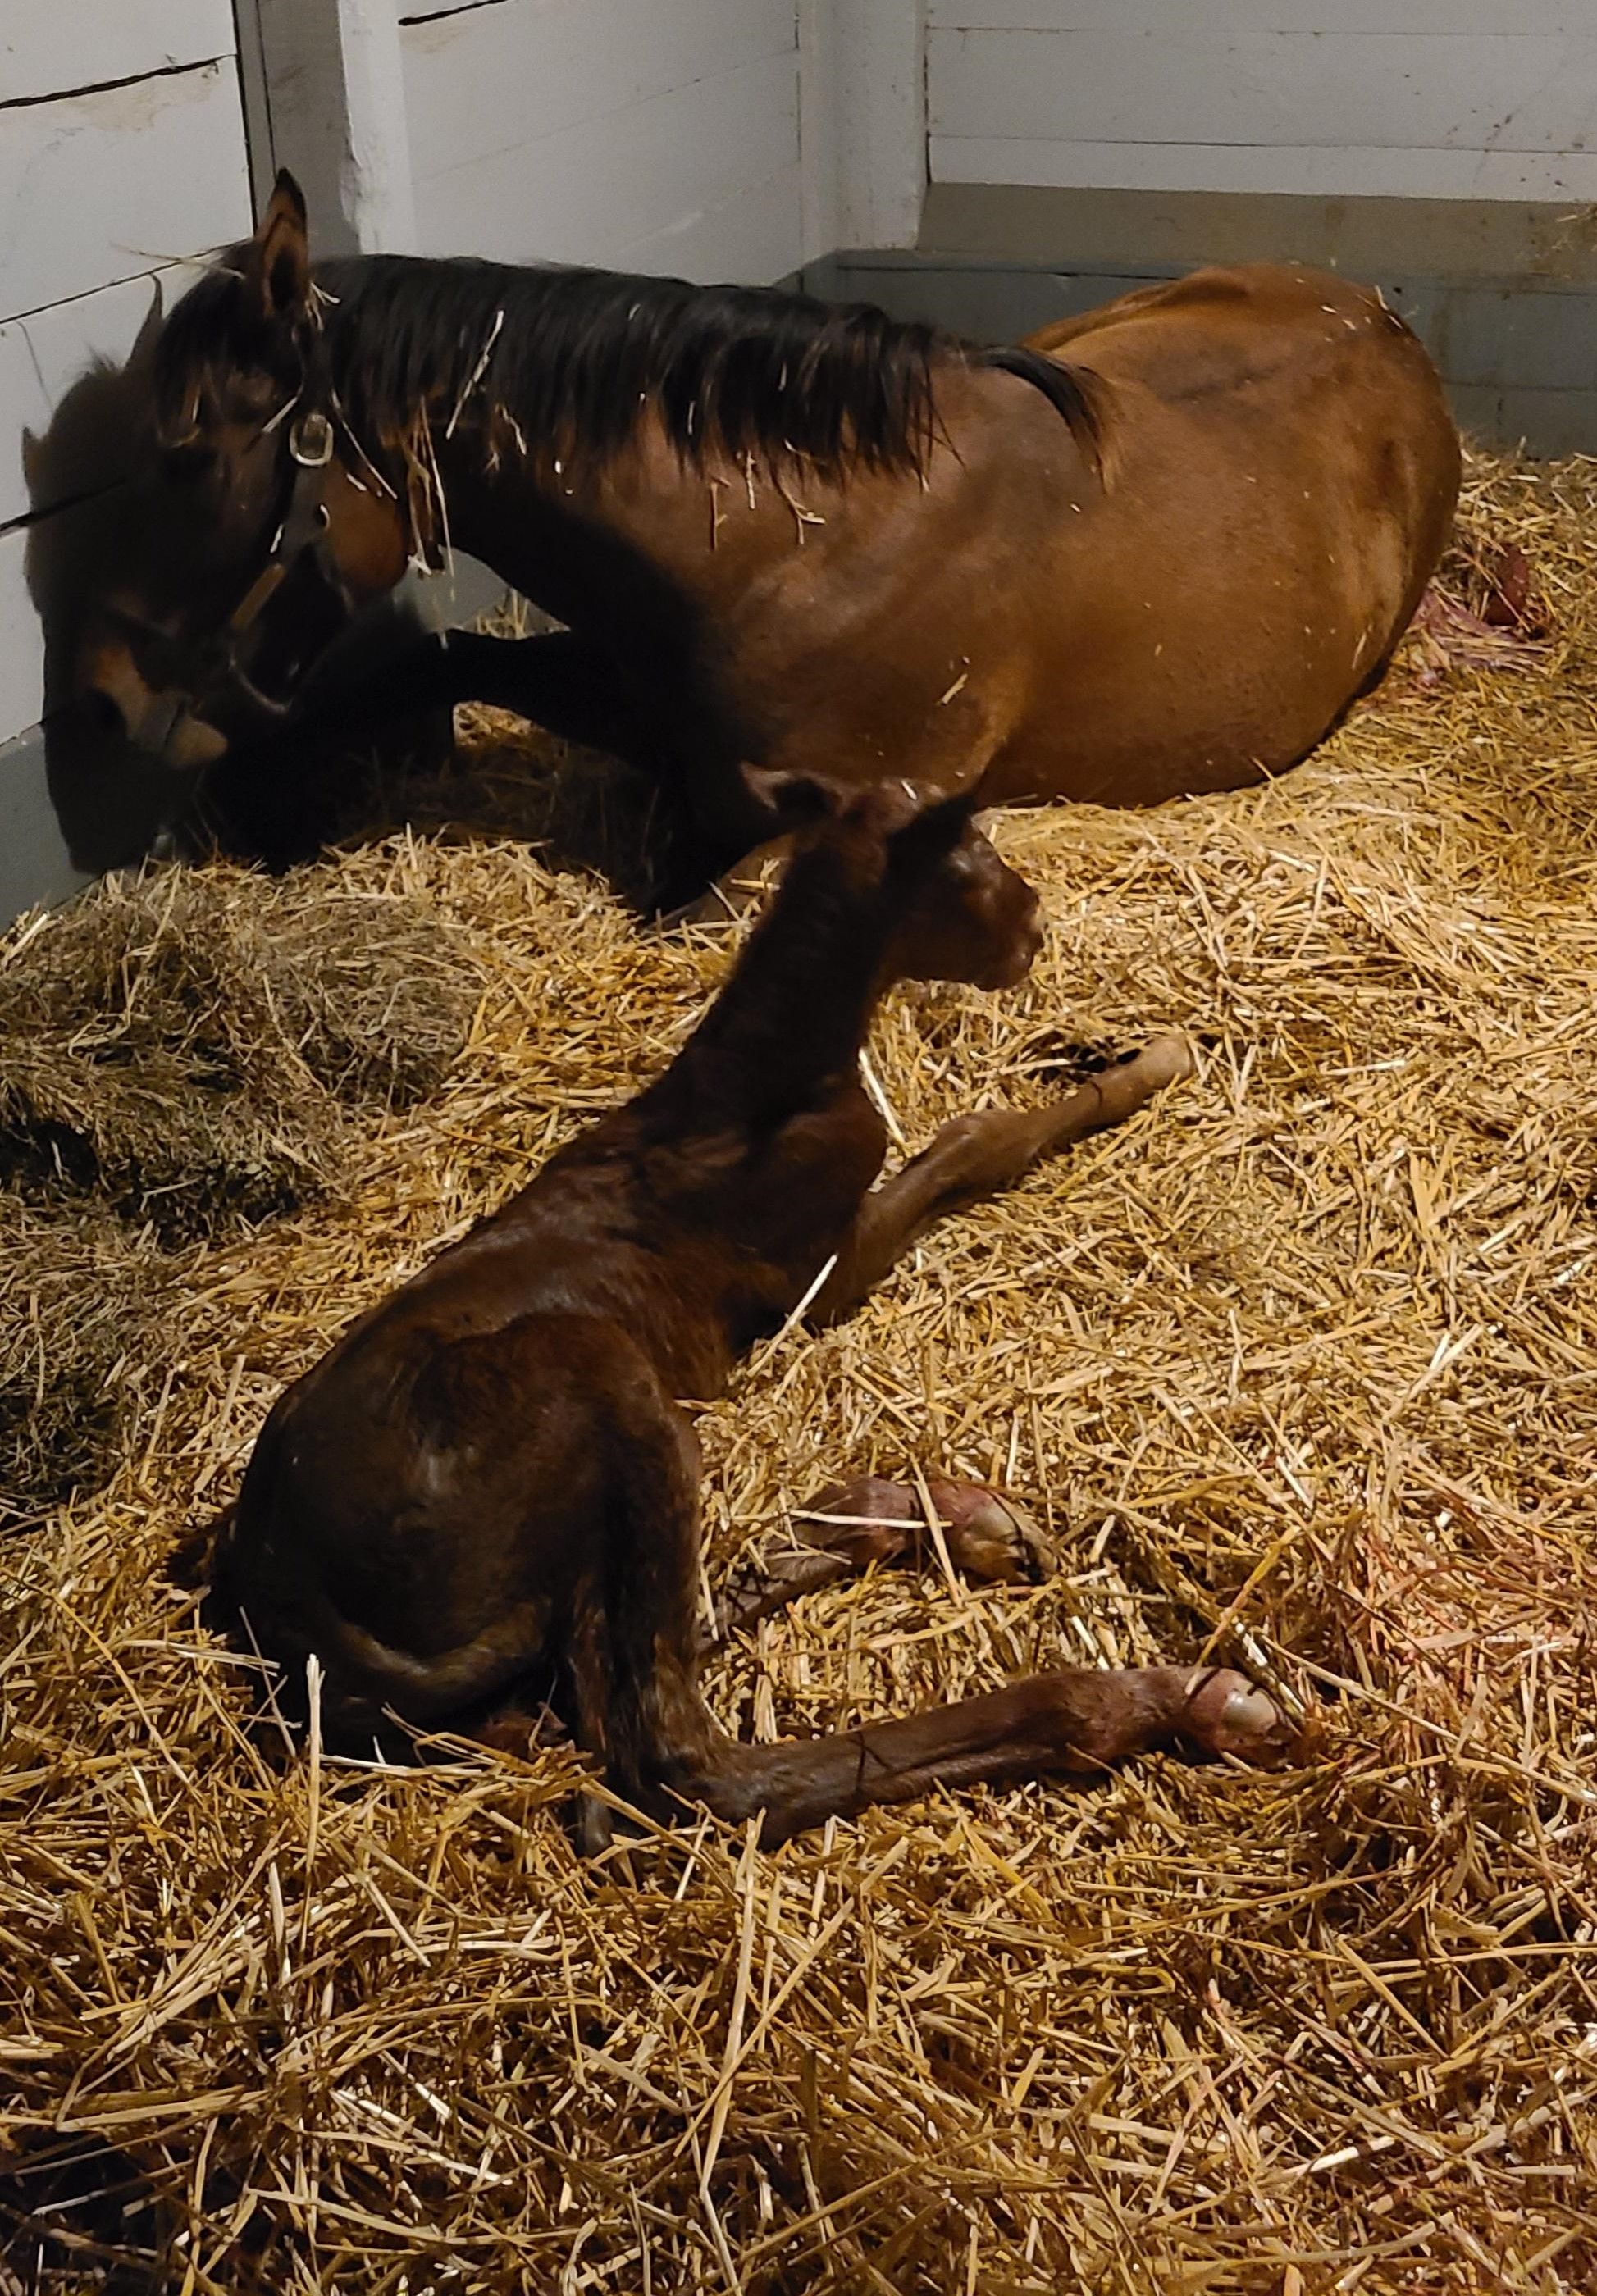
(265, 1598)
(424, 1690)
(198, 1558)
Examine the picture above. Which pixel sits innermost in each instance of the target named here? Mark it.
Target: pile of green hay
(185, 1047)
(80, 1315)
(180, 1054)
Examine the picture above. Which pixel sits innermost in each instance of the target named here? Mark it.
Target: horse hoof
(1227, 1716)
(989, 1536)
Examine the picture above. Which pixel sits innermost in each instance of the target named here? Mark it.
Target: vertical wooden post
(819, 122)
(334, 94)
(877, 73)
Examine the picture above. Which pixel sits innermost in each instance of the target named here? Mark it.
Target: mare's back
(1220, 330)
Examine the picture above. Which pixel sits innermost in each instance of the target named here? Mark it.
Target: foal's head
(958, 911)
(257, 532)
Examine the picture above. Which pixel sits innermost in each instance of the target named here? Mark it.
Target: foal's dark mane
(565, 360)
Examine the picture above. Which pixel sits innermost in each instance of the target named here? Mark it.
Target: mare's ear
(798, 800)
(279, 262)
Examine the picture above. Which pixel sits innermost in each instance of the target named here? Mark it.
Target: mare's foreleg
(976, 1156)
(737, 890)
(559, 680)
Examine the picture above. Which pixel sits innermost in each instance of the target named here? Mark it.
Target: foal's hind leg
(976, 1156)
(1078, 1721)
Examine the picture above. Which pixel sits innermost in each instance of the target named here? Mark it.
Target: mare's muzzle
(177, 697)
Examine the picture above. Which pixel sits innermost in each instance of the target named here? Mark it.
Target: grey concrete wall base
(1054, 227)
(35, 865)
(1504, 296)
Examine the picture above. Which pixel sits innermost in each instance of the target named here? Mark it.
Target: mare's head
(957, 911)
(255, 533)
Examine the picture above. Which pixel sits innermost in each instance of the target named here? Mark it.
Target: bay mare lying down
(1156, 550)
(488, 1483)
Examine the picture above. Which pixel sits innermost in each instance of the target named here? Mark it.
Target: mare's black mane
(566, 360)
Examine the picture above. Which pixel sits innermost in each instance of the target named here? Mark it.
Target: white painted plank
(754, 237)
(1312, 19)
(493, 80)
(98, 188)
(336, 75)
(821, 142)
(1322, 173)
(1401, 93)
(881, 90)
(42, 359)
(600, 187)
(51, 49)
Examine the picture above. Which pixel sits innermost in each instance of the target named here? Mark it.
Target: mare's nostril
(102, 714)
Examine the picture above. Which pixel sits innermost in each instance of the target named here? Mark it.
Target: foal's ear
(798, 800)
(940, 822)
(279, 267)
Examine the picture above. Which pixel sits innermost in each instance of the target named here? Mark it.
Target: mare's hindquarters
(1279, 475)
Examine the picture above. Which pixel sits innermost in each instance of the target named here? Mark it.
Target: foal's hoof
(989, 1536)
(1227, 1716)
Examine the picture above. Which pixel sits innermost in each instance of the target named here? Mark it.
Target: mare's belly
(1162, 710)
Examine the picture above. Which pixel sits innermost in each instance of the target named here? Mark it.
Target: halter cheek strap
(304, 528)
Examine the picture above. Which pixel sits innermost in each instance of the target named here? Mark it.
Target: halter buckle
(311, 442)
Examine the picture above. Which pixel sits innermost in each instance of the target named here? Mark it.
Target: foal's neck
(791, 1021)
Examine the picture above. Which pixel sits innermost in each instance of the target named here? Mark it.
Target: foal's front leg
(976, 1156)
(986, 1534)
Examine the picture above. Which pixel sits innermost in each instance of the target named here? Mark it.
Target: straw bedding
(1299, 1367)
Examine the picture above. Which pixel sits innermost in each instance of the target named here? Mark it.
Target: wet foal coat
(1157, 550)
(487, 1489)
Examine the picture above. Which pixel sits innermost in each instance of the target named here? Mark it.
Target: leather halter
(301, 534)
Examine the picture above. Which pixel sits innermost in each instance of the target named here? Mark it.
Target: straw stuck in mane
(566, 359)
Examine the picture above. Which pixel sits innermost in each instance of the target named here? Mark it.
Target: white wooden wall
(121, 149)
(1426, 99)
(642, 134)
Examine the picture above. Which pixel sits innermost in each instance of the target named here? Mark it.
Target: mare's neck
(461, 449)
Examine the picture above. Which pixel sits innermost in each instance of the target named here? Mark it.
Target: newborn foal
(487, 1482)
